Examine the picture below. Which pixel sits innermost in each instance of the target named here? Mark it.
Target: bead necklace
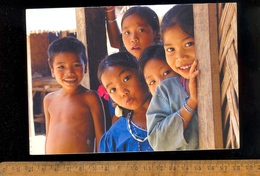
(139, 146)
(129, 115)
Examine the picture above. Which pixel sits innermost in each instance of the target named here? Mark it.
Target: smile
(70, 80)
(185, 67)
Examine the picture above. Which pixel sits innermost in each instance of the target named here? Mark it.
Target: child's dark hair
(122, 58)
(153, 51)
(182, 15)
(66, 44)
(146, 13)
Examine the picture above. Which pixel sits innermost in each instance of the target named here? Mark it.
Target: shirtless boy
(74, 115)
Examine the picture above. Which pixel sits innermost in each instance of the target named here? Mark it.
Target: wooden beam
(91, 29)
(208, 82)
(81, 35)
(30, 94)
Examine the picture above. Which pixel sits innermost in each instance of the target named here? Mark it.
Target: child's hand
(192, 83)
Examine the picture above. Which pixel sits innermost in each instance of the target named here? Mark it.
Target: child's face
(137, 34)
(179, 50)
(124, 87)
(68, 69)
(155, 71)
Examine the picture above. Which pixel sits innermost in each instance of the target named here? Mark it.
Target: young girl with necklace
(118, 73)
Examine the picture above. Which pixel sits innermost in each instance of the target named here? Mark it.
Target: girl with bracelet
(172, 121)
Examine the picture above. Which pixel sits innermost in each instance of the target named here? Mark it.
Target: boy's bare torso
(71, 127)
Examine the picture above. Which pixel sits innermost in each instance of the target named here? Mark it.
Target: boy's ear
(52, 73)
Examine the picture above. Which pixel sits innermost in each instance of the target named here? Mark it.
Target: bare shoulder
(50, 96)
(91, 94)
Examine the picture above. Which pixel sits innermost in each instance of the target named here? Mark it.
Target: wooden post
(30, 96)
(81, 35)
(92, 32)
(208, 82)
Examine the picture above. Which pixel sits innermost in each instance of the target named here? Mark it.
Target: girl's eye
(166, 73)
(189, 44)
(126, 33)
(141, 30)
(60, 67)
(112, 90)
(170, 49)
(77, 65)
(126, 78)
(152, 82)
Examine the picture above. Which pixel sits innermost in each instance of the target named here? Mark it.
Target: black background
(14, 131)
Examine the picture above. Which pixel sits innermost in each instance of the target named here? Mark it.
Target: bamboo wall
(228, 60)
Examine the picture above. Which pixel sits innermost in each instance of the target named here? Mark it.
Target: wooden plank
(81, 35)
(96, 41)
(30, 92)
(92, 32)
(209, 108)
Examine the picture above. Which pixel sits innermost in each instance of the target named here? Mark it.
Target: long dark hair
(182, 15)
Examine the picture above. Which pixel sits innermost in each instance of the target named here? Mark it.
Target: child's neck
(77, 90)
(139, 115)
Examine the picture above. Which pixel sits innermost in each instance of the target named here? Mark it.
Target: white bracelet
(188, 109)
(111, 10)
(111, 21)
(178, 112)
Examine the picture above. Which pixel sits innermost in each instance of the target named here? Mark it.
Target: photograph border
(14, 135)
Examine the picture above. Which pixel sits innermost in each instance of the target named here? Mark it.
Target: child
(140, 29)
(139, 26)
(118, 73)
(171, 117)
(74, 114)
(153, 67)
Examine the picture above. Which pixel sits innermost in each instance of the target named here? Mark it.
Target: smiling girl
(172, 120)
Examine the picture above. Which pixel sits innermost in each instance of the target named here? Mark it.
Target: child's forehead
(154, 62)
(119, 69)
(135, 18)
(67, 56)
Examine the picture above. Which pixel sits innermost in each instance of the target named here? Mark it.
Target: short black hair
(153, 51)
(66, 44)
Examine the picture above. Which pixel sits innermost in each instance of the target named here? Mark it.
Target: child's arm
(112, 27)
(192, 101)
(46, 101)
(164, 123)
(98, 115)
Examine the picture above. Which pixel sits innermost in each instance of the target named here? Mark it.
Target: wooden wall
(39, 44)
